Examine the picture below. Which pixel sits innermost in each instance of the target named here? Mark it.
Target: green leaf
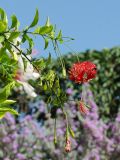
(40, 82)
(56, 102)
(7, 102)
(24, 63)
(64, 72)
(3, 15)
(48, 22)
(2, 114)
(48, 60)
(62, 96)
(59, 36)
(14, 35)
(45, 87)
(35, 20)
(56, 87)
(46, 42)
(71, 132)
(15, 23)
(40, 63)
(3, 26)
(5, 92)
(15, 56)
(50, 77)
(10, 49)
(45, 30)
(3, 111)
(37, 30)
(2, 39)
(30, 41)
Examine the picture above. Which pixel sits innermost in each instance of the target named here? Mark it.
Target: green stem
(55, 49)
(55, 134)
(75, 53)
(67, 124)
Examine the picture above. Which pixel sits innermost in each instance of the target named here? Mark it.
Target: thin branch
(23, 54)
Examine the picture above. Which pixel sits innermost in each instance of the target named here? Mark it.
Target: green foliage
(59, 37)
(2, 39)
(15, 23)
(3, 21)
(4, 102)
(10, 53)
(35, 20)
(3, 15)
(13, 36)
(5, 92)
(4, 110)
(3, 26)
(8, 66)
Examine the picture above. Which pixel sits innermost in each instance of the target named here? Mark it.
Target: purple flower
(42, 107)
(6, 140)
(10, 118)
(21, 156)
(69, 91)
(14, 136)
(28, 118)
(80, 148)
(6, 158)
(57, 152)
(118, 118)
(15, 146)
(26, 131)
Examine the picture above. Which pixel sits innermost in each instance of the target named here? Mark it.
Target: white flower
(28, 89)
(27, 74)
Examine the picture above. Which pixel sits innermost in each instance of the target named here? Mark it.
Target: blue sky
(94, 24)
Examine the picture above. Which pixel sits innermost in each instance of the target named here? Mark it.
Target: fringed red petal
(82, 72)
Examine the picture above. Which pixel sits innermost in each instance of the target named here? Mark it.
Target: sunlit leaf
(48, 22)
(7, 102)
(3, 15)
(46, 42)
(37, 30)
(3, 111)
(30, 41)
(15, 23)
(71, 132)
(59, 36)
(45, 30)
(48, 60)
(24, 63)
(64, 72)
(2, 39)
(3, 26)
(35, 20)
(5, 92)
(14, 35)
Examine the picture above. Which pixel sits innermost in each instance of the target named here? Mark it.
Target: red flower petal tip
(68, 145)
(83, 108)
(82, 72)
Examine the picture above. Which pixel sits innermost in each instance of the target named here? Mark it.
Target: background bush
(97, 136)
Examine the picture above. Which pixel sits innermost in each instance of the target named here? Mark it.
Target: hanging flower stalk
(82, 72)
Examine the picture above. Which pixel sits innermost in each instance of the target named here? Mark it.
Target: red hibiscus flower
(82, 72)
